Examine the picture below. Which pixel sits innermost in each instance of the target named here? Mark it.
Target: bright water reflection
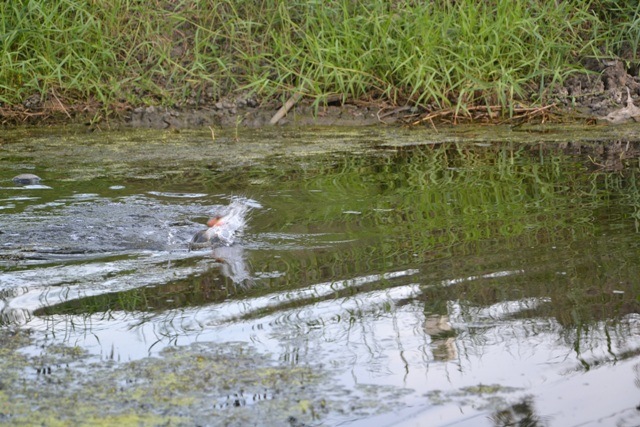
(470, 283)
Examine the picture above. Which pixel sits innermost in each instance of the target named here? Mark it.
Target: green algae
(481, 396)
(154, 154)
(207, 384)
(192, 155)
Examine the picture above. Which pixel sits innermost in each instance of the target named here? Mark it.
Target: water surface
(477, 276)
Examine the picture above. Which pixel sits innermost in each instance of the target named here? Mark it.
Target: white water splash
(233, 220)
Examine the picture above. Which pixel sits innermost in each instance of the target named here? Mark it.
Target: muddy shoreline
(605, 93)
(600, 95)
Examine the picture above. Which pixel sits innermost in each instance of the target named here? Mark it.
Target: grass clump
(448, 53)
(437, 54)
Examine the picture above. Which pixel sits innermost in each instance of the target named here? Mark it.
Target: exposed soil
(244, 110)
(604, 91)
(599, 95)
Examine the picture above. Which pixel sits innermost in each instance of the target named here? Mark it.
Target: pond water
(473, 277)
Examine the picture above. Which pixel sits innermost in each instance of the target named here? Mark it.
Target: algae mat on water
(184, 386)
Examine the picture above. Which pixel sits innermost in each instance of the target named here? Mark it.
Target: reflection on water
(478, 284)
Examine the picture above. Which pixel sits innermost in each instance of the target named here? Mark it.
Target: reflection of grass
(452, 211)
(446, 195)
(480, 209)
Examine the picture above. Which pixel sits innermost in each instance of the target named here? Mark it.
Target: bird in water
(224, 227)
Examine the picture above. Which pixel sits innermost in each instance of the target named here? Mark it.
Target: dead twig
(60, 104)
(482, 111)
(287, 106)
(393, 111)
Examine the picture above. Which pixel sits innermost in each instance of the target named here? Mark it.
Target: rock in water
(26, 179)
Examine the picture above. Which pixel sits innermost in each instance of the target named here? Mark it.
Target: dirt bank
(588, 97)
(601, 94)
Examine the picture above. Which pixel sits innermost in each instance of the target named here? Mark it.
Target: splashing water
(226, 226)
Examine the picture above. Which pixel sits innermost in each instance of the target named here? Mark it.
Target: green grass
(439, 54)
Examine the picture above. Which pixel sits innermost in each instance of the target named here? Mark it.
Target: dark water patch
(193, 291)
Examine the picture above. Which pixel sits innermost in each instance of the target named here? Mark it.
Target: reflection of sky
(377, 338)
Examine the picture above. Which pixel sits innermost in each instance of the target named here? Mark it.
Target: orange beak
(214, 221)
